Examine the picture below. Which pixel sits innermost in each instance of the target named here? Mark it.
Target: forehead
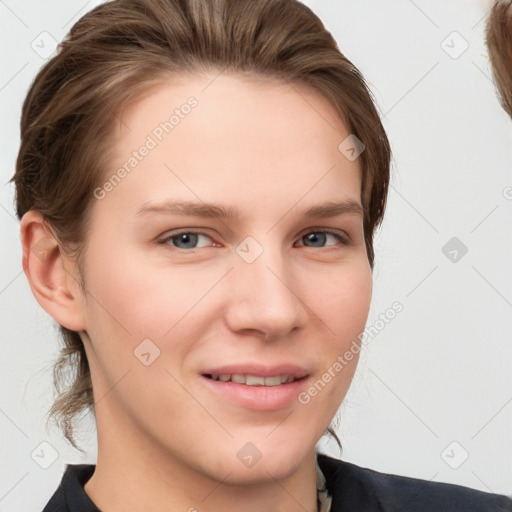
(250, 141)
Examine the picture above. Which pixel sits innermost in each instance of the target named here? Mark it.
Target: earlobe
(50, 273)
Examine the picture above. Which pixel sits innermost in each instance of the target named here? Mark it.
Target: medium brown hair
(498, 36)
(112, 56)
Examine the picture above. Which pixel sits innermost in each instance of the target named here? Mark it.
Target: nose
(263, 298)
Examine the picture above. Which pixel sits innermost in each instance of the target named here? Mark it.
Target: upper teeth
(254, 380)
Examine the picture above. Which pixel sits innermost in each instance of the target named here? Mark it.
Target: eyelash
(343, 239)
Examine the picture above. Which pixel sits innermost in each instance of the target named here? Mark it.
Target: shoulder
(70, 496)
(356, 488)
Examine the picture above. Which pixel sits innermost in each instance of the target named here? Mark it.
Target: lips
(256, 386)
(240, 372)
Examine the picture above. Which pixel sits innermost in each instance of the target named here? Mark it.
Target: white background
(440, 372)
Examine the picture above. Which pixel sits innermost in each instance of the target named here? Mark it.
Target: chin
(279, 462)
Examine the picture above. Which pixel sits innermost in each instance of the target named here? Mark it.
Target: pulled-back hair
(498, 35)
(111, 57)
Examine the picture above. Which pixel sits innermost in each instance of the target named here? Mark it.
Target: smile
(255, 391)
(253, 380)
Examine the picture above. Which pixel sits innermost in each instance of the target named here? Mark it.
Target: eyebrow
(217, 211)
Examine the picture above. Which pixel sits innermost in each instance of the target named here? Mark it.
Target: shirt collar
(76, 476)
(324, 499)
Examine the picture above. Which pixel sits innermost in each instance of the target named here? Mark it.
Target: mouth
(255, 386)
(253, 380)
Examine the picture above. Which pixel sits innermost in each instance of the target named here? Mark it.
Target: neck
(138, 474)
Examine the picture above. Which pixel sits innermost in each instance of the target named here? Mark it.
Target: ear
(53, 277)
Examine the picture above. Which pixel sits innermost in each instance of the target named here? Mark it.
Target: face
(179, 294)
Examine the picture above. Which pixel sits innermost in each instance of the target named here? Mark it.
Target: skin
(165, 441)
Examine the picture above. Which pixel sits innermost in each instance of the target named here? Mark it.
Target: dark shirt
(353, 489)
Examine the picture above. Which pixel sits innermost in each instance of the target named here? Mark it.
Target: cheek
(344, 302)
(135, 297)
(345, 310)
(129, 302)
(135, 301)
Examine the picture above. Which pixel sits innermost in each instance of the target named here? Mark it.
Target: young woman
(198, 185)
